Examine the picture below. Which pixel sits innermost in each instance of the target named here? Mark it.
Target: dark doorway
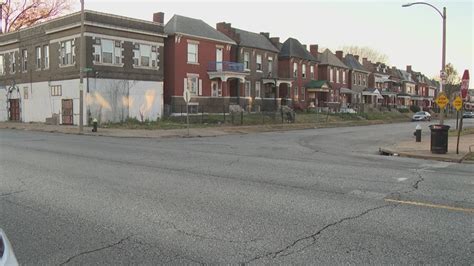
(67, 112)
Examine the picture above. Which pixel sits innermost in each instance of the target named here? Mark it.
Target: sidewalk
(422, 149)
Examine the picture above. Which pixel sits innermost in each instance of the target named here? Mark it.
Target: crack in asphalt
(420, 179)
(11, 193)
(281, 252)
(95, 250)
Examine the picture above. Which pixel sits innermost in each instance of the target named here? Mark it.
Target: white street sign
(187, 95)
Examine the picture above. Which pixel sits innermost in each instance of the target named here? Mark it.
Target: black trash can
(439, 139)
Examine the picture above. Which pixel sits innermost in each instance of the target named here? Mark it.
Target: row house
(422, 84)
(335, 72)
(379, 83)
(358, 79)
(407, 91)
(394, 88)
(199, 59)
(123, 70)
(297, 70)
(259, 57)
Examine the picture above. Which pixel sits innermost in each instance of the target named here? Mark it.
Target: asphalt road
(319, 196)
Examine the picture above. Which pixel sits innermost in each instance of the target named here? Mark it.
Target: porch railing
(218, 66)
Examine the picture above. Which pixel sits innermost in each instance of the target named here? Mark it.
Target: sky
(408, 36)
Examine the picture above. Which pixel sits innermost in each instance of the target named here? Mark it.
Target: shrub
(298, 106)
(414, 108)
(403, 110)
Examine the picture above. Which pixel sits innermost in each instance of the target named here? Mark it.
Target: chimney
(266, 34)
(305, 46)
(159, 17)
(364, 61)
(223, 27)
(313, 50)
(275, 41)
(356, 57)
(409, 68)
(339, 55)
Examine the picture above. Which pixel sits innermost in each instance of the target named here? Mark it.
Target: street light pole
(2, 2)
(82, 50)
(443, 56)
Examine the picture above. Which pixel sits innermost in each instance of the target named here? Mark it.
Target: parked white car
(421, 116)
(348, 110)
(7, 257)
(468, 114)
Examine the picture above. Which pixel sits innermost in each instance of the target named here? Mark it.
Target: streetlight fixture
(443, 58)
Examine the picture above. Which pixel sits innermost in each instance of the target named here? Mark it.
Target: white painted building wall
(108, 100)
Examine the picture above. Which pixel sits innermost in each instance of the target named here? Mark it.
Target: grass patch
(464, 131)
(469, 157)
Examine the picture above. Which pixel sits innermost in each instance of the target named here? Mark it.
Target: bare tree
(19, 14)
(453, 81)
(366, 52)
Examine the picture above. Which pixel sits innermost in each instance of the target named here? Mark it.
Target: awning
(388, 93)
(372, 92)
(318, 86)
(404, 95)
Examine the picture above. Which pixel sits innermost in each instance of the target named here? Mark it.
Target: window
(247, 89)
(46, 56)
(331, 74)
(25, 93)
(192, 85)
(295, 70)
(216, 89)
(56, 90)
(246, 60)
(12, 62)
(144, 55)
(38, 57)
(257, 89)
(359, 80)
(270, 65)
(303, 94)
(192, 52)
(107, 51)
(2, 65)
(24, 56)
(311, 70)
(364, 81)
(296, 93)
(259, 62)
(337, 76)
(303, 71)
(67, 53)
(354, 78)
(343, 77)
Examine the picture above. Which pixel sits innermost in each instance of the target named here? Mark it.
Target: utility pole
(82, 51)
(2, 2)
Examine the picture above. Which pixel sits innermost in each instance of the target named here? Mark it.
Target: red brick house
(358, 78)
(260, 58)
(298, 66)
(198, 58)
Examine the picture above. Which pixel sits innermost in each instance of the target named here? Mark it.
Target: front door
(14, 111)
(67, 113)
(219, 59)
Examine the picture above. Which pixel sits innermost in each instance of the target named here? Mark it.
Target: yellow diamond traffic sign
(442, 100)
(457, 103)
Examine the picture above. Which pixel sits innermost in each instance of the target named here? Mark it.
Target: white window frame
(194, 54)
(13, 66)
(247, 89)
(246, 60)
(218, 92)
(295, 93)
(259, 63)
(46, 56)
(295, 70)
(193, 84)
(331, 74)
(354, 79)
(303, 71)
(270, 65)
(337, 76)
(67, 59)
(343, 77)
(56, 90)
(38, 57)
(2, 64)
(24, 60)
(117, 52)
(258, 89)
(303, 94)
(311, 70)
(139, 53)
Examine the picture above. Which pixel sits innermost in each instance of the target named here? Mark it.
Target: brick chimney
(339, 54)
(305, 46)
(266, 34)
(356, 57)
(409, 68)
(313, 50)
(365, 61)
(275, 41)
(227, 29)
(159, 17)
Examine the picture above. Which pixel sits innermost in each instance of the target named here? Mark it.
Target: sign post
(458, 103)
(187, 98)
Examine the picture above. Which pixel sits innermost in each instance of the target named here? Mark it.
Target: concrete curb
(388, 151)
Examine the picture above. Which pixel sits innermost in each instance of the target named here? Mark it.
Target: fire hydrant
(417, 133)
(94, 125)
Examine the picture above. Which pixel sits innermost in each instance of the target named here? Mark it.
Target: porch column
(277, 90)
(225, 91)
